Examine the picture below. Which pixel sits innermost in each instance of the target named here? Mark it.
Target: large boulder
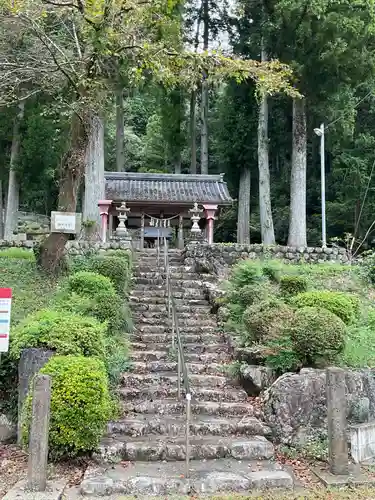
(295, 406)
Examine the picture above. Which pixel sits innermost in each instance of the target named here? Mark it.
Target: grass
(31, 289)
(17, 253)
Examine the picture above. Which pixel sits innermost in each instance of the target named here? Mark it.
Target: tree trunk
(297, 216)
(243, 221)
(1, 211)
(11, 215)
(94, 169)
(193, 138)
(204, 100)
(266, 221)
(120, 133)
(72, 171)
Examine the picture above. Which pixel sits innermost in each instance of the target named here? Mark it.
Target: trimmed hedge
(115, 266)
(61, 331)
(80, 405)
(248, 294)
(291, 285)
(266, 319)
(338, 303)
(318, 335)
(89, 284)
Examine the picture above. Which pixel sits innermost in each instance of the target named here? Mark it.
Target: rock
(213, 293)
(295, 405)
(223, 481)
(264, 480)
(7, 429)
(256, 379)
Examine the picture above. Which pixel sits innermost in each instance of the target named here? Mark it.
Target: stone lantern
(121, 230)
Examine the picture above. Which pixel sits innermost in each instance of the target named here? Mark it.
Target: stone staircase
(229, 446)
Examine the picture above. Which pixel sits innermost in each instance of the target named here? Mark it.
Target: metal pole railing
(181, 364)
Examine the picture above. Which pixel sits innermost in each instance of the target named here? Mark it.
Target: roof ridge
(164, 176)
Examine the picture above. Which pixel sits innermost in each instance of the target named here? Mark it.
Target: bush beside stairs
(229, 446)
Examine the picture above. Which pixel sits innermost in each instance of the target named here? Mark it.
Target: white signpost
(65, 222)
(5, 307)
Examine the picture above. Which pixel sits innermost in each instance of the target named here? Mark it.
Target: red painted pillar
(210, 211)
(104, 206)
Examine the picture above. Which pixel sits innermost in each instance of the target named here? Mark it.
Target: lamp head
(318, 132)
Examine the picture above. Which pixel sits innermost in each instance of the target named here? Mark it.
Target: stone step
(157, 291)
(200, 425)
(175, 273)
(161, 299)
(175, 282)
(173, 407)
(188, 348)
(148, 326)
(197, 314)
(139, 307)
(174, 448)
(213, 357)
(153, 392)
(141, 367)
(170, 379)
(168, 479)
(155, 338)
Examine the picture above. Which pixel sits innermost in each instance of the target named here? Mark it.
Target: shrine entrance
(148, 207)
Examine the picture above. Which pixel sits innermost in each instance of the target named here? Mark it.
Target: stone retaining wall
(219, 256)
(74, 247)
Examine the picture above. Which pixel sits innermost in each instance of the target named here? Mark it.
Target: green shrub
(338, 303)
(280, 354)
(272, 269)
(292, 285)
(80, 405)
(89, 284)
(117, 358)
(61, 331)
(266, 319)
(116, 267)
(368, 266)
(318, 335)
(359, 351)
(17, 253)
(106, 307)
(248, 294)
(245, 273)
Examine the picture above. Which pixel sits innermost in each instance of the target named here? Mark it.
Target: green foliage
(317, 334)
(62, 332)
(248, 294)
(106, 306)
(80, 405)
(116, 267)
(17, 253)
(117, 358)
(338, 303)
(272, 269)
(89, 284)
(266, 320)
(8, 386)
(246, 272)
(280, 354)
(291, 285)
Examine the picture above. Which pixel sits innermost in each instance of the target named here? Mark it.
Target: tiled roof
(166, 188)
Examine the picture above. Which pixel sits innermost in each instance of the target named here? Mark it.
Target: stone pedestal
(337, 424)
(32, 360)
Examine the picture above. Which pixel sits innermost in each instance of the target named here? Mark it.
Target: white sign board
(5, 306)
(65, 222)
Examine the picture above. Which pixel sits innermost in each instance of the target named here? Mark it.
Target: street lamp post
(320, 132)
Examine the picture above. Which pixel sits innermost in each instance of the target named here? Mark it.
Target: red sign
(5, 307)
